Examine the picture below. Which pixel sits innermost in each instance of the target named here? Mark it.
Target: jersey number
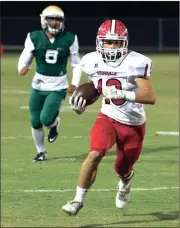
(112, 82)
(51, 56)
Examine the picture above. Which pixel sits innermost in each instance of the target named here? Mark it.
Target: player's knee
(45, 120)
(35, 123)
(95, 157)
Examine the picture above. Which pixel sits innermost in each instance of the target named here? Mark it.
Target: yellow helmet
(52, 12)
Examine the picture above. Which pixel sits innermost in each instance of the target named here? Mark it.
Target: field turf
(32, 193)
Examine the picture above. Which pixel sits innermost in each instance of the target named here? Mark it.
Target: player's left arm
(145, 93)
(75, 65)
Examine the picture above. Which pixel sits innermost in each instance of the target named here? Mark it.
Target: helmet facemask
(112, 41)
(52, 19)
(51, 25)
(112, 54)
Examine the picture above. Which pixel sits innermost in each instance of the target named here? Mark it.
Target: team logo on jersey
(96, 65)
(108, 73)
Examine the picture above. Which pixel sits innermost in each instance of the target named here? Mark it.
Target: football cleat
(53, 132)
(42, 156)
(72, 207)
(123, 194)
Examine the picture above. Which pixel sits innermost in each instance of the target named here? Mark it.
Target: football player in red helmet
(112, 41)
(123, 77)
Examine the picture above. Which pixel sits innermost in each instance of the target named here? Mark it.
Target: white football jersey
(123, 76)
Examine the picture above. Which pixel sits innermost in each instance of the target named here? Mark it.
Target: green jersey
(51, 58)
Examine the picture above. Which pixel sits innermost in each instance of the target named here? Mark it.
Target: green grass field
(155, 188)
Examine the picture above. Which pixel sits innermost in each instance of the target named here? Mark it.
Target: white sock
(80, 194)
(38, 136)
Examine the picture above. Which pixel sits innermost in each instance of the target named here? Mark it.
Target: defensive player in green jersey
(51, 47)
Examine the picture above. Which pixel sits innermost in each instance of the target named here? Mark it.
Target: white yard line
(30, 137)
(93, 190)
(67, 108)
(16, 92)
(62, 137)
(176, 133)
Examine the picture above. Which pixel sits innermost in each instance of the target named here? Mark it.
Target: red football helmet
(112, 30)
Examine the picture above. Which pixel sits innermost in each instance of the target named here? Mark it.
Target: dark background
(152, 25)
(95, 8)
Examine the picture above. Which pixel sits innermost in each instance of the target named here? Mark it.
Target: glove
(77, 103)
(113, 93)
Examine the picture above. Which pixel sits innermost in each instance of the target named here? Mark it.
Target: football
(88, 92)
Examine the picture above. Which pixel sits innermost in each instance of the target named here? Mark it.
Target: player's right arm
(26, 56)
(78, 104)
(75, 65)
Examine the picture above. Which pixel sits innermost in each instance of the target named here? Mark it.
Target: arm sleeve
(95, 80)
(74, 48)
(144, 69)
(75, 62)
(26, 56)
